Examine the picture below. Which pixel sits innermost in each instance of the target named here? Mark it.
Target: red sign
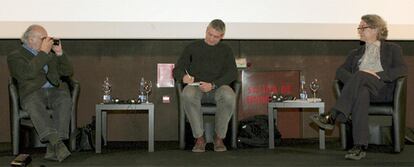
(256, 89)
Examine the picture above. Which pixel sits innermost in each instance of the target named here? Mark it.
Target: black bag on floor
(85, 137)
(254, 132)
(409, 136)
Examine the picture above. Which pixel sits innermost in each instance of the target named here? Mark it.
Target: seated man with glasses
(38, 66)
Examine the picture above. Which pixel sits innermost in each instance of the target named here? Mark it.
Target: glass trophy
(106, 88)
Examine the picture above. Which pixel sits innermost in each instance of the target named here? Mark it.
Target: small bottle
(303, 94)
(141, 94)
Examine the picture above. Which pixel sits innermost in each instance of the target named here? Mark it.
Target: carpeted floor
(290, 153)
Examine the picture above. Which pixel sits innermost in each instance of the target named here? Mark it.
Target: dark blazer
(392, 63)
(28, 70)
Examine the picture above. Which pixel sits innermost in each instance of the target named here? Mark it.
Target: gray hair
(376, 22)
(28, 33)
(218, 25)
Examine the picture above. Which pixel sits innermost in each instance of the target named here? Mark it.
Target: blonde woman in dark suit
(368, 75)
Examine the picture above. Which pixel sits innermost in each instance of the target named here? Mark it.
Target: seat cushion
(380, 109)
(208, 109)
(23, 114)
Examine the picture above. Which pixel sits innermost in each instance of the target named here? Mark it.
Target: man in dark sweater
(208, 68)
(38, 66)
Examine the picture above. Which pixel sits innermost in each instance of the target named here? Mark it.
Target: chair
(20, 117)
(207, 109)
(396, 110)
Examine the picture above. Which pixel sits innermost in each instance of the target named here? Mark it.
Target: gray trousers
(225, 99)
(354, 100)
(50, 111)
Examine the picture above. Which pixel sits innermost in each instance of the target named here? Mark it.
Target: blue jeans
(50, 111)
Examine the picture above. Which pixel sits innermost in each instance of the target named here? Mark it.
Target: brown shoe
(219, 145)
(200, 145)
(324, 121)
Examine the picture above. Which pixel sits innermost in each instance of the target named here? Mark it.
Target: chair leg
(182, 130)
(16, 136)
(234, 132)
(72, 129)
(343, 136)
(396, 137)
(72, 141)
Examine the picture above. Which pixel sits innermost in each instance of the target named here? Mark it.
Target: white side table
(272, 113)
(101, 121)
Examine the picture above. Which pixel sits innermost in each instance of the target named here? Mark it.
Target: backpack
(254, 132)
(85, 137)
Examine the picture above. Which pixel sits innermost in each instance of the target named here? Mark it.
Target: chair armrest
(14, 100)
(399, 112)
(400, 93)
(400, 100)
(74, 88)
(179, 87)
(337, 86)
(236, 85)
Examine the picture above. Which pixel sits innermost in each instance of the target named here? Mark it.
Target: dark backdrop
(126, 61)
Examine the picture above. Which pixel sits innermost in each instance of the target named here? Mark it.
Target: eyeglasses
(363, 28)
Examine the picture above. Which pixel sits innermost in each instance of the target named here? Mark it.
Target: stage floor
(290, 153)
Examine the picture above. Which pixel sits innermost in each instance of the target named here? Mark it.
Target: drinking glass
(147, 89)
(314, 87)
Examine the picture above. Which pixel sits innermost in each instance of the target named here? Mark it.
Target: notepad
(194, 84)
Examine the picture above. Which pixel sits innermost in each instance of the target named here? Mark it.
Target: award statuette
(106, 87)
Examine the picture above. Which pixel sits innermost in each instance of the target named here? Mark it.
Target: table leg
(105, 127)
(321, 132)
(151, 129)
(98, 127)
(271, 126)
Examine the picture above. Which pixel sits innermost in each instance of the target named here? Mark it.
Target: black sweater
(213, 64)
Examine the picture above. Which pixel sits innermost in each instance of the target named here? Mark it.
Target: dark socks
(338, 116)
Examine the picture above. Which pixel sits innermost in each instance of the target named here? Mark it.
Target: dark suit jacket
(392, 63)
(28, 70)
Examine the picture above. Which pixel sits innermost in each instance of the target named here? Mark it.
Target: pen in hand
(188, 78)
(188, 74)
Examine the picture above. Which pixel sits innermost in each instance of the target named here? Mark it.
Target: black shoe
(356, 153)
(324, 121)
